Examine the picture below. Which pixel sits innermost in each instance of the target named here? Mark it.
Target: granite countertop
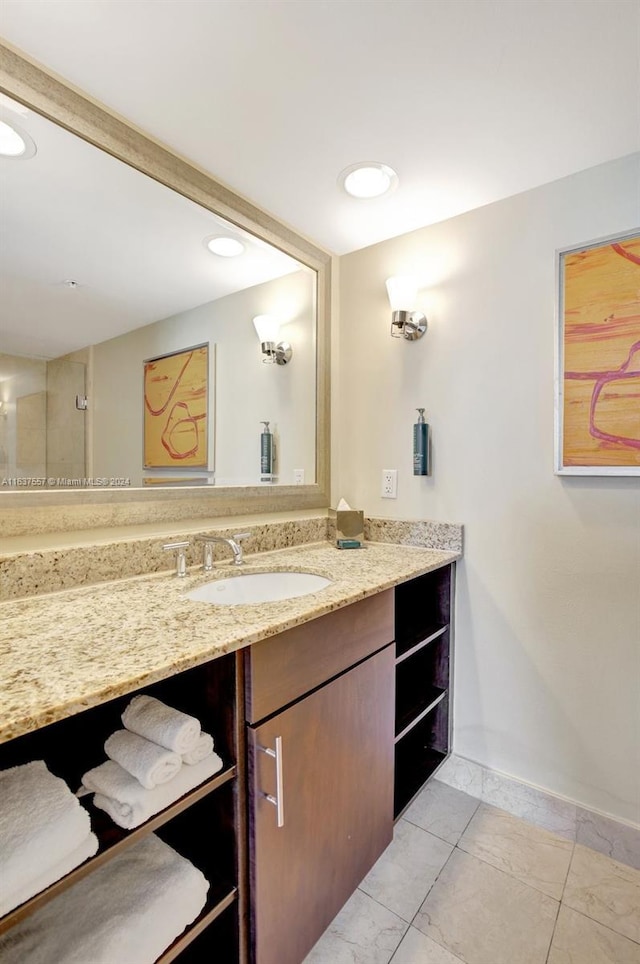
(64, 652)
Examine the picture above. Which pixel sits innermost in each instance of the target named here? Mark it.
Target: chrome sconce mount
(406, 322)
(279, 353)
(275, 352)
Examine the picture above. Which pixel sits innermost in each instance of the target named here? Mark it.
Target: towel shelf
(205, 825)
(114, 840)
(216, 905)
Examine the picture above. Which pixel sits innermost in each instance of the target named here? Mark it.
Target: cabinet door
(336, 786)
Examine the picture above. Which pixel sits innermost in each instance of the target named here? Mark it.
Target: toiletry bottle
(266, 454)
(420, 445)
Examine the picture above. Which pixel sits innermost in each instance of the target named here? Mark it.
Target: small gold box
(350, 524)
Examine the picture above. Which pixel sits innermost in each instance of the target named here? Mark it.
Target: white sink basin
(258, 587)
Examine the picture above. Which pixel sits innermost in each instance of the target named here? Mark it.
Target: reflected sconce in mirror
(406, 322)
(275, 352)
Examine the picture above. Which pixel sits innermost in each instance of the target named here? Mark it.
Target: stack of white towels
(160, 755)
(126, 912)
(44, 832)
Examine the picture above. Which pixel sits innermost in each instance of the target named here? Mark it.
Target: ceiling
(469, 101)
(135, 249)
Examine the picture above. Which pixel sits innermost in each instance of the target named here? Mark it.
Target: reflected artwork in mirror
(151, 301)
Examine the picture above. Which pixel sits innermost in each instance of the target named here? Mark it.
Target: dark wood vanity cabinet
(423, 644)
(327, 732)
(320, 771)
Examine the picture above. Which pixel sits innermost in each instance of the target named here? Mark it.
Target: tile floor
(466, 883)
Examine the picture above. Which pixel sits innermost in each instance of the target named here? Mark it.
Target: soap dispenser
(420, 445)
(266, 454)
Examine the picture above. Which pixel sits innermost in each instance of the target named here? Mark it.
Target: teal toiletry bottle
(266, 454)
(420, 445)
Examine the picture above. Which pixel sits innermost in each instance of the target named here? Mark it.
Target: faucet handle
(181, 556)
(207, 551)
(238, 539)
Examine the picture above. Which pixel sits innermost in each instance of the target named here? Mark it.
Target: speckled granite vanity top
(63, 652)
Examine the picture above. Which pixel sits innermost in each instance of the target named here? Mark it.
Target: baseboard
(568, 818)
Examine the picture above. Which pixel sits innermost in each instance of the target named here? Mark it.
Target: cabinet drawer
(285, 667)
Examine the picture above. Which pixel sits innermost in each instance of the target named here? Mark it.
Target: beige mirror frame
(39, 512)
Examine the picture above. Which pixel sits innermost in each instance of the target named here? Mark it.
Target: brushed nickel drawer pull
(278, 800)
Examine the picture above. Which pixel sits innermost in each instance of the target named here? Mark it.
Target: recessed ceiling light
(15, 143)
(368, 180)
(225, 247)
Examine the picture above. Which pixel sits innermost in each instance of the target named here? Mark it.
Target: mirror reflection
(128, 351)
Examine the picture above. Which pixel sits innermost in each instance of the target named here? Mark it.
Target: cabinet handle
(278, 800)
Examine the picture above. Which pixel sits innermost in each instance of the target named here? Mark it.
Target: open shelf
(423, 613)
(419, 754)
(413, 715)
(421, 679)
(408, 653)
(218, 901)
(423, 607)
(113, 840)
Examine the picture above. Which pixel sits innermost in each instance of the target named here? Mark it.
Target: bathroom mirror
(109, 269)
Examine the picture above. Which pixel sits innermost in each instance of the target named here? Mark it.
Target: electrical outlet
(389, 484)
(298, 476)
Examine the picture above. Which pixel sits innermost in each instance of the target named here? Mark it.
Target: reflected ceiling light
(225, 247)
(15, 143)
(368, 180)
(276, 352)
(405, 321)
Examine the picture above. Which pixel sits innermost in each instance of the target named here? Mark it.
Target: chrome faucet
(235, 544)
(181, 556)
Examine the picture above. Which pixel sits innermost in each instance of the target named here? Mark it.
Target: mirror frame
(27, 82)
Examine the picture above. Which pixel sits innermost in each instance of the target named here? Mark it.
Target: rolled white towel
(148, 762)
(130, 909)
(41, 823)
(148, 717)
(82, 852)
(202, 749)
(128, 803)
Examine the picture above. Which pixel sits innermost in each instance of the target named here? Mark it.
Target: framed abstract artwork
(598, 358)
(176, 409)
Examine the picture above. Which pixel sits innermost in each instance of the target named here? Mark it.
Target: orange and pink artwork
(599, 378)
(176, 409)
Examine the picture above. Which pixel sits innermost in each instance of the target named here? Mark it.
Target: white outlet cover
(389, 486)
(298, 476)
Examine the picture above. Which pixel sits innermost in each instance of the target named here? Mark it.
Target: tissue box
(349, 524)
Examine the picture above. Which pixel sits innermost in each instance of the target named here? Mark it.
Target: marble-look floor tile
(617, 840)
(442, 810)
(533, 855)
(536, 806)
(462, 774)
(580, 940)
(485, 916)
(404, 874)
(605, 890)
(417, 948)
(364, 932)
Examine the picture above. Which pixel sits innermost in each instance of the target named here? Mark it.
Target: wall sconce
(275, 352)
(405, 322)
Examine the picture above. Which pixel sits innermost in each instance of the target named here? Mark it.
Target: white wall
(246, 391)
(547, 681)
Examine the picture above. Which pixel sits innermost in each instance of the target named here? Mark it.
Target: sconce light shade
(405, 322)
(267, 328)
(403, 292)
